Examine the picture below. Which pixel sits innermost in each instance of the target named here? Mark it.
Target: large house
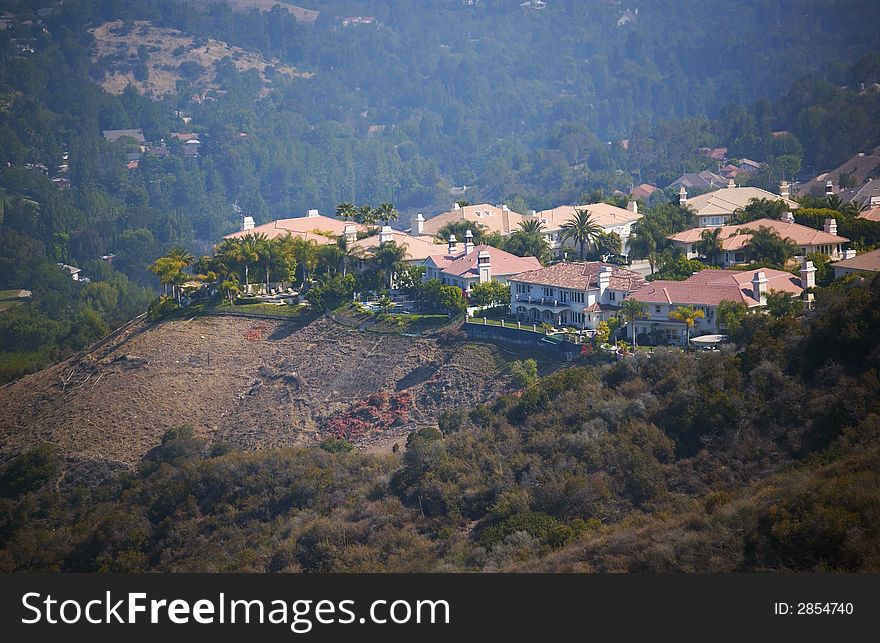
(735, 238)
(610, 217)
(417, 248)
(866, 195)
(858, 168)
(714, 209)
(864, 264)
(571, 294)
(699, 181)
(467, 265)
(314, 226)
(705, 291)
(492, 218)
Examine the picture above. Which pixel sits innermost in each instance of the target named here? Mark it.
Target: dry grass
(302, 15)
(116, 49)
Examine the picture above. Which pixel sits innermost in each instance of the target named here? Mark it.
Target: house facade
(714, 209)
(571, 294)
(609, 217)
(467, 265)
(735, 239)
(705, 291)
(864, 264)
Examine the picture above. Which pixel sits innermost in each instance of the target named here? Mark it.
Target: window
(548, 292)
(612, 296)
(657, 309)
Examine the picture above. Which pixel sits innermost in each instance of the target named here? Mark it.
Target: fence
(524, 336)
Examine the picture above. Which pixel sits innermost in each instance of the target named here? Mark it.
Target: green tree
(759, 209)
(346, 211)
(386, 212)
(389, 259)
(633, 310)
(766, 246)
(687, 315)
(582, 229)
(491, 293)
(710, 245)
(525, 372)
(730, 314)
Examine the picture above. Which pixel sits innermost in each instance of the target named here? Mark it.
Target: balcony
(550, 302)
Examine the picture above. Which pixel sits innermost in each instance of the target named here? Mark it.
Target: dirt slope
(254, 383)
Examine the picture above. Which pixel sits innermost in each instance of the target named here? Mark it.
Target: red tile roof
(465, 265)
(733, 239)
(711, 287)
(581, 276)
(313, 225)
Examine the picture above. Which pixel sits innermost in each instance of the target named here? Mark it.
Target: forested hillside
(763, 456)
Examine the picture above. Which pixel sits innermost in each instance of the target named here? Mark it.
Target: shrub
(29, 471)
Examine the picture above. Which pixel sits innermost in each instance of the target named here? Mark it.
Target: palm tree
(166, 270)
(386, 212)
(365, 215)
(248, 252)
(532, 225)
(389, 257)
(349, 252)
(265, 255)
(645, 239)
(581, 228)
(528, 244)
(710, 244)
(305, 251)
(346, 211)
(633, 309)
(767, 246)
(170, 268)
(230, 286)
(689, 315)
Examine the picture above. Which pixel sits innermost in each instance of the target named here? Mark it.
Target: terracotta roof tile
(581, 276)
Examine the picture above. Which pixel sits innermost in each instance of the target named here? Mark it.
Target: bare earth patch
(116, 51)
(252, 383)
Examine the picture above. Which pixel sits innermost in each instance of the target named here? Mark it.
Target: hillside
(154, 59)
(250, 383)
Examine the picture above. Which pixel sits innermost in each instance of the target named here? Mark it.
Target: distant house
(358, 20)
(715, 208)
(868, 194)
(73, 271)
(714, 153)
(872, 214)
(627, 17)
(863, 264)
(610, 217)
(705, 291)
(113, 135)
(749, 166)
(466, 265)
(699, 181)
(418, 248)
(735, 238)
(572, 294)
(859, 168)
(314, 227)
(643, 191)
(493, 218)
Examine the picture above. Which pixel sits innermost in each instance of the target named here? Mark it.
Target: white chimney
(682, 196)
(830, 226)
(534, 213)
(385, 234)
(468, 242)
(788, 217)
(419, 227)
(759, 287)
(808, 275)
(455, 206)
(247, 223)
(731, 183)
(484, 264)
(504, 208)
(350, 232)
(783, 189)
(453, 245)
(829, 188)
(634, 206)
(313, 213)
(604, 279)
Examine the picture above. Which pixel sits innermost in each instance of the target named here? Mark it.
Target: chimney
(484, 264)
(455, 206)
(829, 188)
(350, 232)
(533, 213)
(504, 208)
(247, 223)
(759, 287)
(419, 227)
(604, 279)
(783, 189)
(830, 226)
(453, 245)
(633, 206)
(313, 213)
(808, 276)
(682, 196)
(731, 183)
(385, 234)
(468, 242)
(788, 217)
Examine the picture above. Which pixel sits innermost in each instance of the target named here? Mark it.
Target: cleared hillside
(251, 383)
